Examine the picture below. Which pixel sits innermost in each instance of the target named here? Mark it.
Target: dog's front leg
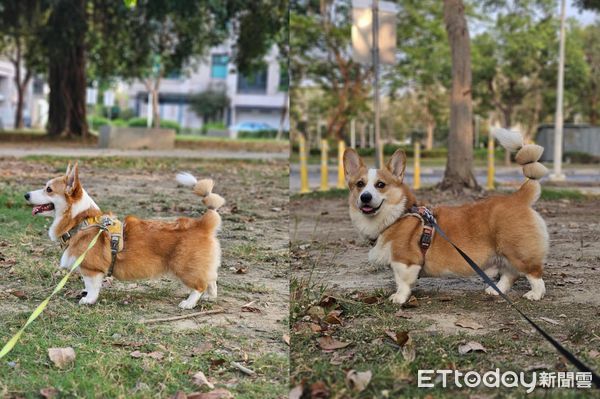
(405, 276)
(93, 283)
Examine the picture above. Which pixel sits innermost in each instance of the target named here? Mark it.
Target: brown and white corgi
(186, 247)
(502, 233)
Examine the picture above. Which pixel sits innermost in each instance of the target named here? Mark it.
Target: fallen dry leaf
(327, 301)
(401, 313)
(249, 308)
(399, 337)
(409, 350)
(358, 380)
(241, 270)
(136, 354)
(219, 393)
(316, 312)
(593, 354)
(328, 343)
(49, 392)
(19, 294)
(411, 303)
(370, 300)
(296, 392)
(61, 357)
(156, 355)
(286, 339)
(467, 323)
(471, 346)
(333, 317)
(200, 379)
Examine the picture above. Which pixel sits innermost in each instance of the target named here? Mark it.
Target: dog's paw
(87, 301)
(399, 297)
(534, 295)
(491, 291)
(187, 304)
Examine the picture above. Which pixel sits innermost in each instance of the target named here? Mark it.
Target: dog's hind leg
(93, 283)
(507, 279)
(405, 277)
(191, 301)
(211, 291)
(538, 288)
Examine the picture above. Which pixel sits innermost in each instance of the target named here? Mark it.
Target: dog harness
(110, 224)
(427, 221)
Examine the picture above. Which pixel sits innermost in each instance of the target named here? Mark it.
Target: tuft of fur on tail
(527, 154)
(203, 188)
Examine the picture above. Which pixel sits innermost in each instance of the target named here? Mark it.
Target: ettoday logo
(508, 379)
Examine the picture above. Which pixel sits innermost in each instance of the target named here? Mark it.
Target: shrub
(119, 122)
(261, 134)
(164, 123)
(96, 121)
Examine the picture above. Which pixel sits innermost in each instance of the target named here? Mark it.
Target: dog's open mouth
(369, 210)
(42, 208)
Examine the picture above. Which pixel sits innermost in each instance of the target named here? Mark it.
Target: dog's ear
(397, 164)
(352, 162)
(68, 169)
(72, 179)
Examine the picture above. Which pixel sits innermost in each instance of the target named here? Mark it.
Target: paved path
(433, 175)
(20, 152)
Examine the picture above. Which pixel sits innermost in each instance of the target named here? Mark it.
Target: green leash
(38, 311)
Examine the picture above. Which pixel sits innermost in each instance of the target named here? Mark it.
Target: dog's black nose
(27, 196)
(366, 198)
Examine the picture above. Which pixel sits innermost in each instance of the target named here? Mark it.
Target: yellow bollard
(417, 174)
(304, 188)
(341, 183)
(490, 164)
(324, 168)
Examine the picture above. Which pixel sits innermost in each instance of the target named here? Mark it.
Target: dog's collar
(110, 224)
(427, 221)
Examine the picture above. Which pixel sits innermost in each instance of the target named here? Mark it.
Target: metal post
(341, 183)
(490, 163)
(375, 49)
(417, 171)
(304, 188)
(353, 133)
(324, 168)
(557, 174)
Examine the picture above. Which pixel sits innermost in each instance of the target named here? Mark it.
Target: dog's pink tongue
(36, 209)
(367, 208)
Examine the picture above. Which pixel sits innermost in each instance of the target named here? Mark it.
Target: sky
(585, 17)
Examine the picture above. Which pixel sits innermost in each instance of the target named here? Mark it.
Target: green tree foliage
(210, 104)
(20, 24)
(321, 52)
(424, 66)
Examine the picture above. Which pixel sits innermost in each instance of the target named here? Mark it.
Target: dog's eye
(48, 189)
(360, 184)
(380, 184)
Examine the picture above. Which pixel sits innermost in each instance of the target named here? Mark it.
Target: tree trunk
(507, 113)
(429, 138)
(363, 136)
(459, 167)
(67, 81)
(156, 104)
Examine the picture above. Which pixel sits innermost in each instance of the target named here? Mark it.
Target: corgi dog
(503, 233)
(186, 247)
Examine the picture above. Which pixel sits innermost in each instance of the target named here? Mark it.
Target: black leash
(568, 355)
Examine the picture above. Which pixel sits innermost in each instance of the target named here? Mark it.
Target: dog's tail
(211, 219)
(527, 156)
(203, 188)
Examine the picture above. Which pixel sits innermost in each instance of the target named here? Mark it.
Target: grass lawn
(106, 336)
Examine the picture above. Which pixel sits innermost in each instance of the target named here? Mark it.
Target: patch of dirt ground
(327, 251)
(254, 238)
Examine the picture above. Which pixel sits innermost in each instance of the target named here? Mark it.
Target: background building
(259, 97)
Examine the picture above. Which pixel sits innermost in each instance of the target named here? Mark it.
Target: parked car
(252, 127)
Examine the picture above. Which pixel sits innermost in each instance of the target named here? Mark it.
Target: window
(218, 67)
(255, 82)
